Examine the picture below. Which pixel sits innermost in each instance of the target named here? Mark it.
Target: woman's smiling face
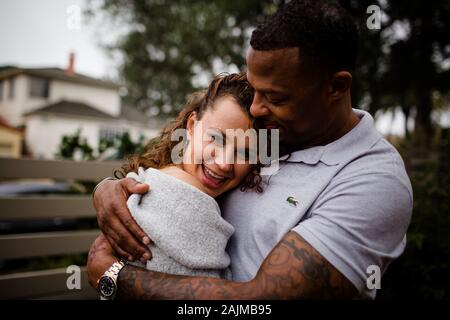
(212, 153)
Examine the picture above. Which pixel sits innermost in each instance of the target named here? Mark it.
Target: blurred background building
(10, 140)
(50, 103)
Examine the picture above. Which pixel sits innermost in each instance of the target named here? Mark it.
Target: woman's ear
(191, 123)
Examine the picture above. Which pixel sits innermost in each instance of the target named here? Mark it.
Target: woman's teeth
(214, 175)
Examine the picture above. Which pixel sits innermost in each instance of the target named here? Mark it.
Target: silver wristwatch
(107, 285)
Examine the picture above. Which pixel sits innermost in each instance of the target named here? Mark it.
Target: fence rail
(61, 169)
(51, 283)
(46, 243)
(44, 284)
(46, 207)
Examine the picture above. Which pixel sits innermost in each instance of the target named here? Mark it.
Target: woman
(180, 214)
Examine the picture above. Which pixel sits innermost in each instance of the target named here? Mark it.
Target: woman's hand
(115, 220)
(101, 257)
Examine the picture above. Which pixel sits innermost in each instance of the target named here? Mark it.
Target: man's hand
(115, 220)
(101, 257)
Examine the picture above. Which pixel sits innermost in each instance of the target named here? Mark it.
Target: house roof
(72, 108)
(56, 73)
(4, 124)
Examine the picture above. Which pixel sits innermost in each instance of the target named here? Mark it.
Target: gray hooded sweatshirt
(185, 224)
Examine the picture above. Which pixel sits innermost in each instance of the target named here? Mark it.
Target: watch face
(106, 286)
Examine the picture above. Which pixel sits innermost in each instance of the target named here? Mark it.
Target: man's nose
(258, 109)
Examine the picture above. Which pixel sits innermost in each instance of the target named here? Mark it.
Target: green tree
(402, 65)
(126, 146)
(121, 146)
(169, 43)
(422, 271)
(417, 60)
(71, 144)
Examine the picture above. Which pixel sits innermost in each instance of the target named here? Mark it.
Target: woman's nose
(225, 167)
(224, 159)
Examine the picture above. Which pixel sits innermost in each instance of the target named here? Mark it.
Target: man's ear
(340, 83)
(191, 123)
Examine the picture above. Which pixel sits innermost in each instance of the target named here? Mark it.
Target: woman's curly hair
(157, 153)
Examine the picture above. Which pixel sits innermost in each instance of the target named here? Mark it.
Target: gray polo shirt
(353, 205)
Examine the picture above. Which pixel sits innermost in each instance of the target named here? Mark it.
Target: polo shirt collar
(356, 141)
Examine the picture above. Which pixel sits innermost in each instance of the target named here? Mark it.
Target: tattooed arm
(293, 270)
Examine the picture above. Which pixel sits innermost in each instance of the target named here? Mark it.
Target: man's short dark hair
(323, 30)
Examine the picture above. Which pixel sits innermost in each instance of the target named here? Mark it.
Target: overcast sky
(43, 33)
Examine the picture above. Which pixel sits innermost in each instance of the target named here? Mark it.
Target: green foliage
(171, 42)
(105, 144)
(402, 65)
(423, 270)
(74, 146)
(126, 146)
(70, 144)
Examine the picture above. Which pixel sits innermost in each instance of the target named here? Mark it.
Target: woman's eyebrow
(224, 137)
(219, 130)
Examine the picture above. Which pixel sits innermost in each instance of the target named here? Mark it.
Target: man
(338, 206)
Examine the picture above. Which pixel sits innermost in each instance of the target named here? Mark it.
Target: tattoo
(293, 270)
(98, 245)
(298, 271)
(138, 283)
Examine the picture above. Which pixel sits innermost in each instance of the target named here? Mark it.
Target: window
(109, 134)
(11, 88)
(39, 87)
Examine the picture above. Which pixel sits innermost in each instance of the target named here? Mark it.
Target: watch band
(114, 270)
(112, 274)
(100, 183)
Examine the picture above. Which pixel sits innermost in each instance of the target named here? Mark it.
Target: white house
(47, 125)
(52, 102)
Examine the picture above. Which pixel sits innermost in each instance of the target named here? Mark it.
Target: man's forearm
(292, 270)
(138, 283)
